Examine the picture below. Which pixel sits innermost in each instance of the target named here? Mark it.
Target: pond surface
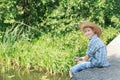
(23, 75)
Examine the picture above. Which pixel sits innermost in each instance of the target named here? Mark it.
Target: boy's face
(88, 32)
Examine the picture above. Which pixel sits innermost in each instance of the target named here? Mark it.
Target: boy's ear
(94, 30)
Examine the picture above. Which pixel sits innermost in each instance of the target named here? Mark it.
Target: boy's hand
(86, 58)
(78, 59)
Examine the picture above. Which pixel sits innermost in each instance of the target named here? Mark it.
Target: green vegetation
(43, 35)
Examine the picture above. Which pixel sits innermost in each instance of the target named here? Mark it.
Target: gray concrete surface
(110, 73)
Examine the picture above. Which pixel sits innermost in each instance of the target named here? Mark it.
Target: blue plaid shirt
(97, 52)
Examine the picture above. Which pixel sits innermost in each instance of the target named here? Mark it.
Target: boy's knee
(73, 70)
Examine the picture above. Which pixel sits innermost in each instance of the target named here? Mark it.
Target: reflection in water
(22, 75)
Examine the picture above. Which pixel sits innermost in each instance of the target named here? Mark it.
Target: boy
(96, 54)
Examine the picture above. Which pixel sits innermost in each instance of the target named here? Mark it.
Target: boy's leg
(70, 73)
(79, 67)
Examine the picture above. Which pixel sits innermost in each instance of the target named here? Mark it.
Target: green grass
(49, 54)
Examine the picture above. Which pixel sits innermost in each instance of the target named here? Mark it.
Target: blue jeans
(81, 66)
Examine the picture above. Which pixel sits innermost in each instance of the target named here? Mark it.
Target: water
(32, 75)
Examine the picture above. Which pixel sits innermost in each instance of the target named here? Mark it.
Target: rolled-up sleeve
(91, 49)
